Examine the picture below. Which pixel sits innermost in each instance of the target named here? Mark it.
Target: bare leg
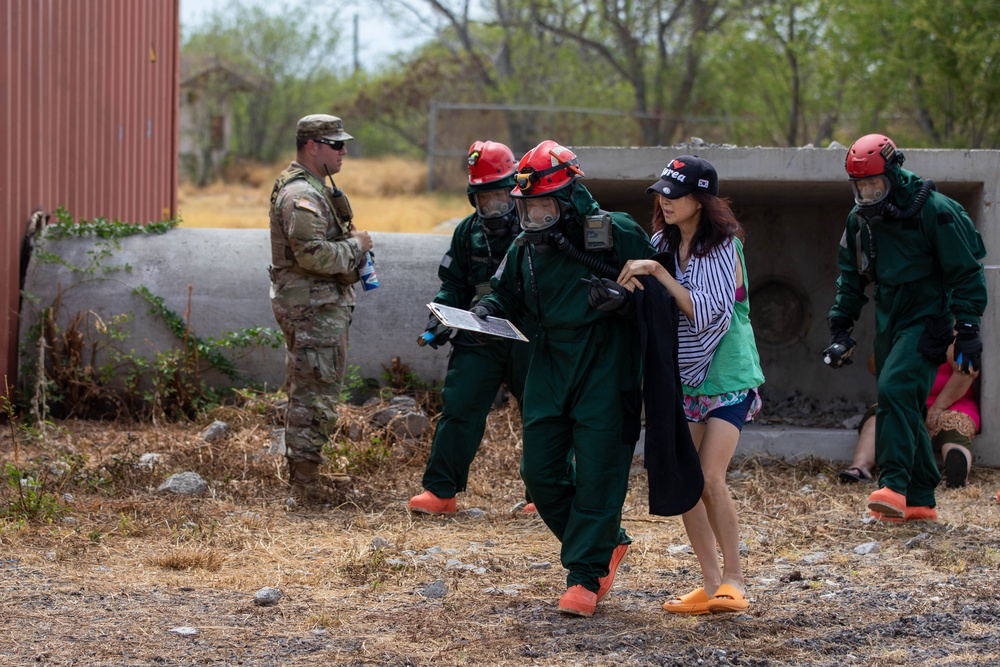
(699, 530)
(713, 520)
(864, 450)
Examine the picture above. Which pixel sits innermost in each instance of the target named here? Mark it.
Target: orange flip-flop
(727, 598)
(695, 602)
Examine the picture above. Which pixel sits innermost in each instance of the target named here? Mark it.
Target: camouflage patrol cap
(321, 126)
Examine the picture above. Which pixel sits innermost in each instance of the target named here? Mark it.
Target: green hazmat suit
(927, 277)
(476, 367)
(582, 393)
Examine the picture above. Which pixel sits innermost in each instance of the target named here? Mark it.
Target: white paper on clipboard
(456, 318)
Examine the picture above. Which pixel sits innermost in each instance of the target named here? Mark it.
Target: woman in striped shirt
(701, 266)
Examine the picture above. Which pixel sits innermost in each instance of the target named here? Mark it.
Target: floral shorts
(952, 426)
(697, 408)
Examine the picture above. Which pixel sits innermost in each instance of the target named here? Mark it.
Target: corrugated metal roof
(88, 121)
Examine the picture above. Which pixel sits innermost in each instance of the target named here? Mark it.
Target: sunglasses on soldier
(335, 145)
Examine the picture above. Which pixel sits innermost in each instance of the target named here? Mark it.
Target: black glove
(968, 347)
(841, 344)
(435, 334)
(936, 338)
(606, 295)
(482, 311)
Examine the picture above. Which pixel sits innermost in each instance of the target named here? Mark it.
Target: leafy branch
(67, 227)
(82, 369)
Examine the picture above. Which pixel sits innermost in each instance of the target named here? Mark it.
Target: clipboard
(456, 318)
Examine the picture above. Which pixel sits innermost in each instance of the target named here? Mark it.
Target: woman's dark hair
(717, 224)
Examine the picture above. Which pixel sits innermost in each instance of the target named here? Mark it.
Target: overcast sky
(378, 37)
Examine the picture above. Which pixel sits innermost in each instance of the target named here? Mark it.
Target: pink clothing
(967, 404)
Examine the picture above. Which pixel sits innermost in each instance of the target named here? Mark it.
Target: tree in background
(396, 100)
(750, 72)
(926, 69)
(656, 46)
(290, 58)
(771, 76)
(797, 71)
(493, 53)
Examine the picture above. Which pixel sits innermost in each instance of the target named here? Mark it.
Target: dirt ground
(111, 572)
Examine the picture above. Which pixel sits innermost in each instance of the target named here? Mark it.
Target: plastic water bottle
(837, 355)
(368, 278)
(428, 337)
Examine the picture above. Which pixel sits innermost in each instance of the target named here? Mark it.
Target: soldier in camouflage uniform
(315, 255)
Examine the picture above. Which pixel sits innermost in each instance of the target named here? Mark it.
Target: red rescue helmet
(489, 161)
(544, 169)
(871, 155)
(872, 165)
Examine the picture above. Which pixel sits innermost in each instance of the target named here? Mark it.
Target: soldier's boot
(303, 476)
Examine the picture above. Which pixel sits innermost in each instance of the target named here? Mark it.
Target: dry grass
(387, 194)
(106, 584)
(186, 558)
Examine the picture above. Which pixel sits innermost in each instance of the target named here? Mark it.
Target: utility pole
(431, 142)
(357, 64)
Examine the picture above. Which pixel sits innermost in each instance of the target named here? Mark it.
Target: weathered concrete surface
(790, 444)
(226, 272)
(792, 202)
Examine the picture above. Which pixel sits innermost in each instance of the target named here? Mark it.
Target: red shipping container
(88, 121)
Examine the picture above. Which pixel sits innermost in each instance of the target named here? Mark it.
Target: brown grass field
(104, 579)
(387, 195)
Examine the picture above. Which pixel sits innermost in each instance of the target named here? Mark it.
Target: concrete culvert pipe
(226, 271)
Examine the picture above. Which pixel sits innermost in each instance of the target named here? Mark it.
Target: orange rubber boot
(888, 503)
(578, 601)
(616, 558)
(921, 514)
(428, 503)
(912, 514)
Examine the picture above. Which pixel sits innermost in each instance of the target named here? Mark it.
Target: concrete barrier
(226, 272)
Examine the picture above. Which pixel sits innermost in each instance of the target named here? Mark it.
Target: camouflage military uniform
(314, 267)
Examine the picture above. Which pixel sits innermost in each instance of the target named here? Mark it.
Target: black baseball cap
(686, 174)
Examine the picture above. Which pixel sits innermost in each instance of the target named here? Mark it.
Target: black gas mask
(496, 211)
(871, 194)
(540, 219)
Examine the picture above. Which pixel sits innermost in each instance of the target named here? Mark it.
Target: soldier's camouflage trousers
(315, 358)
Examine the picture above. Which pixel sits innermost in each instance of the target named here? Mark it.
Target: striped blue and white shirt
(712, 282)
